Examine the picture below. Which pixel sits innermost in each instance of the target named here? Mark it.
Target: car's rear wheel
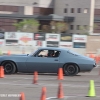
(70, 69)
(9, 67)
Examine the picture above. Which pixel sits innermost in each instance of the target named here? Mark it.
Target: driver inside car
(51, 53)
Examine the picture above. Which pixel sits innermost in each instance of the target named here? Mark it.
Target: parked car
(48, 60)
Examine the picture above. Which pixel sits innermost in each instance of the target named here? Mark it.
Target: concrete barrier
(30, 49)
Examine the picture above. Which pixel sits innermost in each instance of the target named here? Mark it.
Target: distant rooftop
(38, 3)
(38, 17)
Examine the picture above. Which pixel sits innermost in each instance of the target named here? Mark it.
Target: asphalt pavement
(74, 87)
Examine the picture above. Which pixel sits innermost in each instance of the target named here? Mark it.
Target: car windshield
(33, 52)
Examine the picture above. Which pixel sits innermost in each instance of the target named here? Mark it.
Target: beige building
(79, 14)
(81, 10)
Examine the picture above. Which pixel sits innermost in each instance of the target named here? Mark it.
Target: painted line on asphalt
(20, 84)
(50, 98)
(69, 85)
(30, 84)
(17, 81)
(74, 86)
(56, 97)
(42, 84)
(56, 84)
(69, 96)
(76, 95)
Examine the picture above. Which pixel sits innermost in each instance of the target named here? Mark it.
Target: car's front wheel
(70, 69)
(9, 67)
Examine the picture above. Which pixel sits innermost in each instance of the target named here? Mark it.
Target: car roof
(54, 48)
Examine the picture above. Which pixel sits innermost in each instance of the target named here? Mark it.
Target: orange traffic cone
(1, 72)
(97, 59)
(60, 74)
(22, 97)
(92, 56)
(43, 95)
(35, 77)
(8, 53)
(60, 91)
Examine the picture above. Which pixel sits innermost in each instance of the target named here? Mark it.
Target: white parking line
(56, 85)
(69, 85)
(56, 97)
(50, 98)
(43, 84)
(20, 84)
(17, 81)
(69, 97)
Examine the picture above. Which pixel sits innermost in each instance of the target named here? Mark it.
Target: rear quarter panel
(84, 63)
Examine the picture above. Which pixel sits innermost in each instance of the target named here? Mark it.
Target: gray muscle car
(48, 60)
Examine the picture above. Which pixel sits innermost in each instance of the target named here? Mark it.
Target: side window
(53, 53)
(48, 53)
(42, 53)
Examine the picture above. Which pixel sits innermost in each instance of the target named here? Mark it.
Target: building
(97, 17)
(79, 14)
(15, 11)
(81, 10)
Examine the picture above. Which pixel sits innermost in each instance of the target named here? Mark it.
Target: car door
(42, 64)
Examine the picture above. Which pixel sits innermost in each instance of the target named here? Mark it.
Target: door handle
(56, 59)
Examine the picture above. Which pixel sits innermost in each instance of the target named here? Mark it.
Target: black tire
(70, 69)
(9, 67)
